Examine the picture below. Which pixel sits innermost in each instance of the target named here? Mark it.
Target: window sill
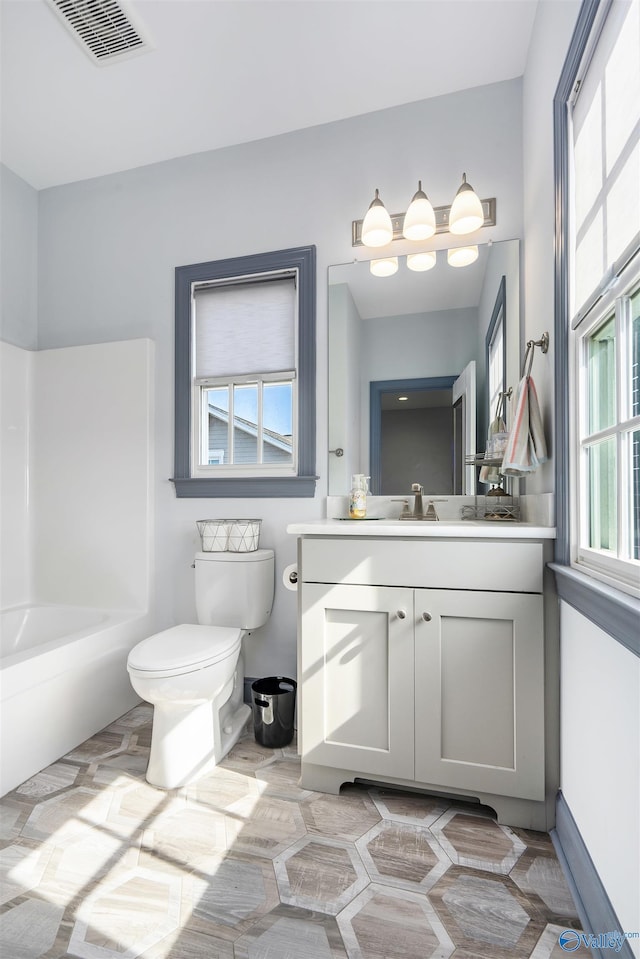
(245, 487)
(610, 609)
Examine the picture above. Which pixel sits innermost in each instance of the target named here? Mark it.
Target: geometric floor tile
(543, 876)
(395, 924)
(504, 919)
(245, 864)
(263, 827)
(408, 807)
(402, 855)
(347, 816)
(292, 933)
(125, 916)
(319, 873)
(226, 896)
(473, 839)
(29, 929)
(58, 776)
(21, 870)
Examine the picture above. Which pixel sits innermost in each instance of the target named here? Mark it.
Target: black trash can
(273, 703)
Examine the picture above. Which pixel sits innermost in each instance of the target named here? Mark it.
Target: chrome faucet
(417, 490)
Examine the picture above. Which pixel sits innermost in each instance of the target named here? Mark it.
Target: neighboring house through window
(245, 376)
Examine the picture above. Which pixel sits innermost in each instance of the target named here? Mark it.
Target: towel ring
(543, 343)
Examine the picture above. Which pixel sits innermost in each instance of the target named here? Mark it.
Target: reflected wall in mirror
(415, 327)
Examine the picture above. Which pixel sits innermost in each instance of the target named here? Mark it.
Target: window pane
(634, 378)
(217, 439)
(277, 412)
(635, 494)
(245, 423)
(602, 495)
(602, 377)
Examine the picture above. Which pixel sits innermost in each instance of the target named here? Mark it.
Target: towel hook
(543, 343)
(501, 406)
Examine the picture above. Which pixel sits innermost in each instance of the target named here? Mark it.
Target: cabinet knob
(402, 614)
(426, 617)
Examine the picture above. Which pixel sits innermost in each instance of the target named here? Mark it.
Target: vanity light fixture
(462, 255)
(419, 220)
(419, 262)
(422, 220)
(377, 229)
(466, 215)
(386, 266)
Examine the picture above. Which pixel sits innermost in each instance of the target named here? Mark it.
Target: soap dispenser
(358, 496)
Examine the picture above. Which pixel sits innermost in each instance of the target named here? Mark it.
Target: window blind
(245, 327)
(606, 144)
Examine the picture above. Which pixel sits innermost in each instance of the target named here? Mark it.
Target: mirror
(414, 335)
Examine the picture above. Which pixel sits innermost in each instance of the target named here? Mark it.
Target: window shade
(606, 140)
(245, 327)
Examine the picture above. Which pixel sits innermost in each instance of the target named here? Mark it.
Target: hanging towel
(491, 474)
(526, 448)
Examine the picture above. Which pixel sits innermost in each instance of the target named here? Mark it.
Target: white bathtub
(63, 677)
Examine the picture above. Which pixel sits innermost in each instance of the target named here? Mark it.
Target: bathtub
(63, 677)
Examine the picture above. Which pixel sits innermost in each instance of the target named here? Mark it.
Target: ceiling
(223, 72)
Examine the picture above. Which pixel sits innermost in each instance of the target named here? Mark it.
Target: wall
(76, 459)
(15, 387)
(91, 502)
(599, 679)
(18, 261)
(109, 246)
(344, 362)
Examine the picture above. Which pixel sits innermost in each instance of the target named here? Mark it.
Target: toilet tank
(234, 589)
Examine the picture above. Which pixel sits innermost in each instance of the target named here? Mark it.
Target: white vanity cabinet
(421, 663)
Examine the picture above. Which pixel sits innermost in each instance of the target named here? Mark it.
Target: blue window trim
(499, 308)
(612, 610)
(303, 485)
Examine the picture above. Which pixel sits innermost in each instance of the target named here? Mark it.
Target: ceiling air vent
(107, 30)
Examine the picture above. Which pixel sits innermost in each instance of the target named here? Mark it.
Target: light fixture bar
(442, 221)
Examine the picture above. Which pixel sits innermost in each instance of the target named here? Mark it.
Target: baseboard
(247, 688)
(596, 913)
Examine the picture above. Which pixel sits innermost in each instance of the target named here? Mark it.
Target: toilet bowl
(193, 674)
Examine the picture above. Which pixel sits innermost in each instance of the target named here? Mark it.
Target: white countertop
(465, 529)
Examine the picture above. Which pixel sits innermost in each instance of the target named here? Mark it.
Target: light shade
(466, 214)
(377, 229)
(419, 220)
(386, 266)
(421, 261)
(462, 255)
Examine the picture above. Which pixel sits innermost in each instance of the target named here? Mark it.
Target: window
(245, 376)
(604, 118)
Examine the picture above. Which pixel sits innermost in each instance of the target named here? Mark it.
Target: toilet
(193, 675)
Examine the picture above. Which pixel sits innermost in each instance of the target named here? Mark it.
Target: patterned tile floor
(245, 864)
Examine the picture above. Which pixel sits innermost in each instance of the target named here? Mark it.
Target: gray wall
(18, 261)
(108, 248)
(417, 447)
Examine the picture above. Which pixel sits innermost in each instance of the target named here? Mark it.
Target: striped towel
(526, 447)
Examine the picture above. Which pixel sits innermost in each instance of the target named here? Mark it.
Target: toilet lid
(184, 648)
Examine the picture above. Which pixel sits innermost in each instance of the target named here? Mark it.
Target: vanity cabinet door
(357, 677)
(480, 691)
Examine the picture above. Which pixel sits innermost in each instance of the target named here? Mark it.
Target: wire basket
(229, 535)
(492, 509)
(214, 534)
(244, 535)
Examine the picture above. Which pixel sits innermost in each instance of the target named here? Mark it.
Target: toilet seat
(183, 649)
